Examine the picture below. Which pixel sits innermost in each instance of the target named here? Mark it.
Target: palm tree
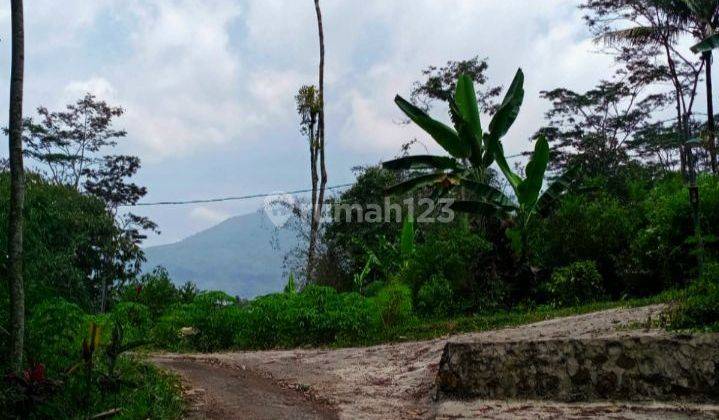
(17, 190)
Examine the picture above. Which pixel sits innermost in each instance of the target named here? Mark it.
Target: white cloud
(208, 215)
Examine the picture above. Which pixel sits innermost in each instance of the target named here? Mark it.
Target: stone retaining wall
(629, 368)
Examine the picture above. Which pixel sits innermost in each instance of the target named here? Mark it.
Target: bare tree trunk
(315, 181)
(17, 190)
(317, 214)
(710, 113)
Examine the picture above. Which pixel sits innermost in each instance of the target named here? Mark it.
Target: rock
(661, 367)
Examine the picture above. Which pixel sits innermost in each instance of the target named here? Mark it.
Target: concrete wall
(622, 368)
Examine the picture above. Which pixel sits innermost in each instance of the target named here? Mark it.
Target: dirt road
(216, 392)
(390, 381)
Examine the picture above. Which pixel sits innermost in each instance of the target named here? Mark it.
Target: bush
(576, 284)
(134, 319)
(663, 253)
(434, 298)
(700, 307)
(55, 330)
(155, 290)
(452, 254)
(207, 324)
(601, 229)
(316, 316)
(394, 304)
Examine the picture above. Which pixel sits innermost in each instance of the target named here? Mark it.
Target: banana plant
(466, 143)
(529, 201)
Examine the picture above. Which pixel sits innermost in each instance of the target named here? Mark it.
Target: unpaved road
(391, 381)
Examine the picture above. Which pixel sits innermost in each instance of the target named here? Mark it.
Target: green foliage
(601, 229)
(134, 319)
(316, 316)
(67, 239)
(454, 254)
(663, 254)
(291, 287)
(435, 298)
(394, 304)
(154, 290)
(469, 147)
(577, 284)
(699, 309)
(207, 324)
(55, 330)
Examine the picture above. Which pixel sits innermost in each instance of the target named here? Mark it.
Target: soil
(392, 380)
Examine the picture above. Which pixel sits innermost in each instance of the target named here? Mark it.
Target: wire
(238, 198)
(246, 197)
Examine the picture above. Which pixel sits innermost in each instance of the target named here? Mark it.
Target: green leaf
(515, 237)
(416, 182)
(509, 109)
(528, 190)
(556, 190)
(466, 99)
(495, 147)
(488, 193)
(707, 44)
(481, 208)
(407, 238)
(410, 162)
(441, 133)
(466, 135)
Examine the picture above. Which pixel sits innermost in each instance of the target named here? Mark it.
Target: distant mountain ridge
(242, 256)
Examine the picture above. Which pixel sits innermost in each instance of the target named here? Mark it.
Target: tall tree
(317, 208)
(705, 14)
(70, 148)
(595, 129)
(17, 190)
(656, 26)
(308, 107)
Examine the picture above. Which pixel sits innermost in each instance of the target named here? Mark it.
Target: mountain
(242, 256)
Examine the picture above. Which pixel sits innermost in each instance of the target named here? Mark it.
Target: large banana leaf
(488, 193)
(508, 111)
(466, 99)
(528, 190)
(466, 134)
(441, 133)
(418, 182)
(481, 208)
(497, 150)
(556, 190)
(420, 161)
(707, 44)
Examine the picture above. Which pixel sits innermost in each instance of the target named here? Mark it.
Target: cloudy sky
(209, 85)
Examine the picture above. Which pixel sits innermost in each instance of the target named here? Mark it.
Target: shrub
(434, 298)
(663, 253)
(316, 316)
(601, 229)
(700, 307)
(55, 330)
(207, 324)
(394, 304)
(452, 254)
(576, 284)
(155, 290)
(134, 319)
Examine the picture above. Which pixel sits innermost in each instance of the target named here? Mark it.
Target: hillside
(242, 256)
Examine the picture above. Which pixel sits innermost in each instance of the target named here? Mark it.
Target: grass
(426, 330)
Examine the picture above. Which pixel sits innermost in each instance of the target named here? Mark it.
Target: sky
(208, 85)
